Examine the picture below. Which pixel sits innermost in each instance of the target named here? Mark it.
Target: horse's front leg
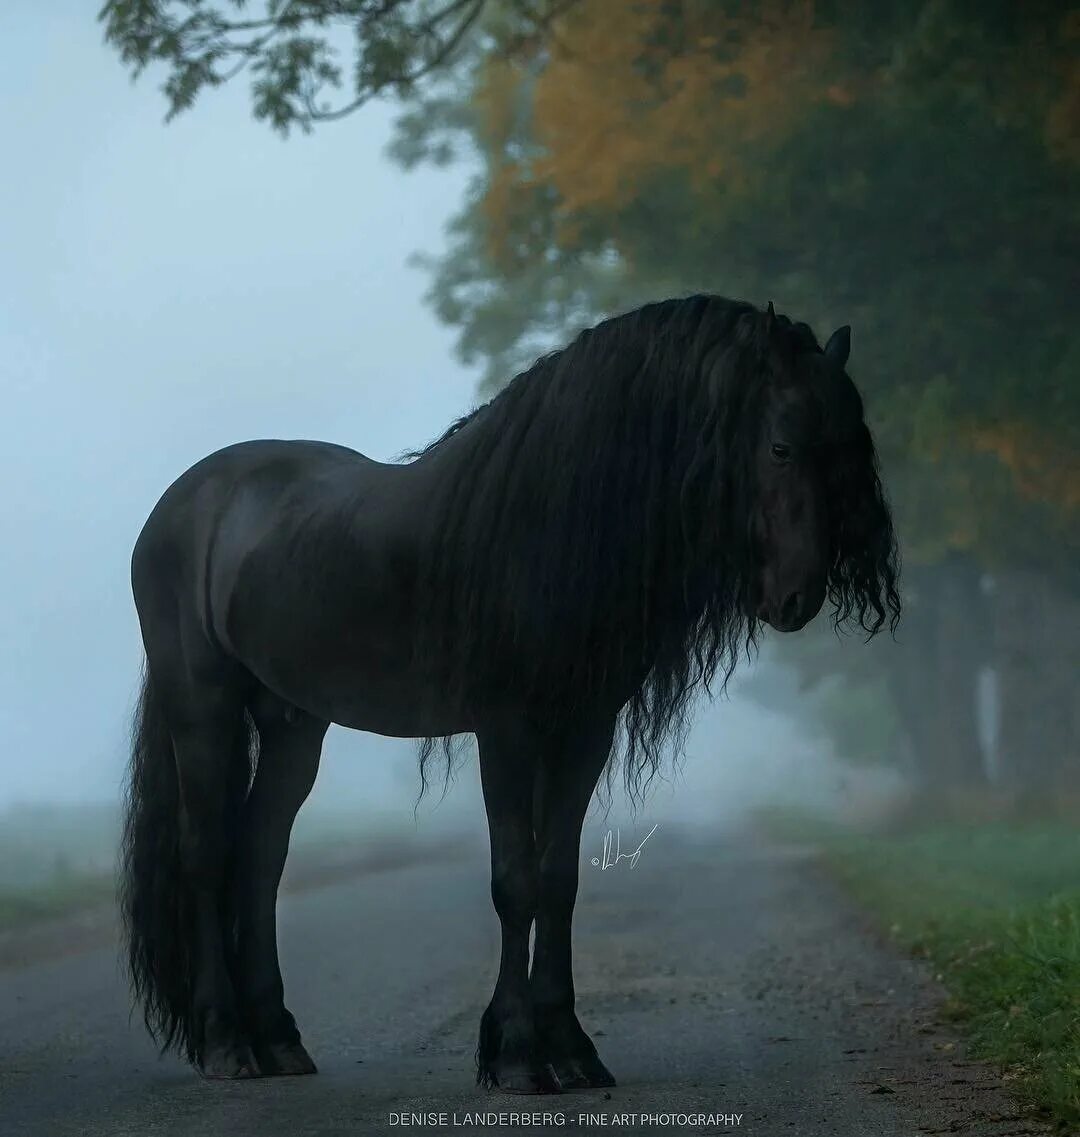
(567, 778)
(507, 1055)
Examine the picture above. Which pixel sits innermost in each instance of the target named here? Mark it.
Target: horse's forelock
(864, 575)
(863, 581)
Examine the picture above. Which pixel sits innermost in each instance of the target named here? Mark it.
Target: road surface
(720, 978)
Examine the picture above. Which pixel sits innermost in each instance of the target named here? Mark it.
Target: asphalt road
(718, 977)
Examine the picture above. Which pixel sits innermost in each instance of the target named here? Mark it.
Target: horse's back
(259, 461)
(244, 460)
(223, 502)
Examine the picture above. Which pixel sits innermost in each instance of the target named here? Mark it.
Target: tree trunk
(934, 673)
(1037, 661)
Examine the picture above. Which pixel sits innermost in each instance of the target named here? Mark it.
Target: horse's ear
(838, 348)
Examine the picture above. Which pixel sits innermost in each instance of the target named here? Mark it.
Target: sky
(165, 291)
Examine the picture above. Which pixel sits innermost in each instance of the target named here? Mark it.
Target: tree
(914, 173)
(293, 50)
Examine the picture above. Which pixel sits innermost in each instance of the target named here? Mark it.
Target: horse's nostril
(790, 611)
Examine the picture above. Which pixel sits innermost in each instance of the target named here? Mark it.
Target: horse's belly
(355, 682)
(381, 706)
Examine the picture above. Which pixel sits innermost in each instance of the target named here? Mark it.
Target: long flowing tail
(154, 902)
(155, 897)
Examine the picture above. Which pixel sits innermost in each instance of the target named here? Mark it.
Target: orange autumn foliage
(622, 93)
(620, 105)
(622, 110)
(620, 96)
(1041, 469)
(1063, 118)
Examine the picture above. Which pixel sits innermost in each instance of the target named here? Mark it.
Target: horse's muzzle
(791, 614)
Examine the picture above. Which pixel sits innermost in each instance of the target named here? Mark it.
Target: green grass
(62, 896)
(996, 909)
(57, 861)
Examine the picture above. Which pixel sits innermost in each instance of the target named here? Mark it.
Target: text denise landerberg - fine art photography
(560, 1119)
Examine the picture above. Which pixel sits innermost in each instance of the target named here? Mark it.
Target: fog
(857, 827)
(165, 291)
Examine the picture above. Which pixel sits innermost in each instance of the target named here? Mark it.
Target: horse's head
(819, 524)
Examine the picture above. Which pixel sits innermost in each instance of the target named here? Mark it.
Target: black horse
(557, 574)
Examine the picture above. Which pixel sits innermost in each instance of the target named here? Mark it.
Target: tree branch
(437, 60)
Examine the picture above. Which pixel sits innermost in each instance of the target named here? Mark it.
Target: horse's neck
(448, 458)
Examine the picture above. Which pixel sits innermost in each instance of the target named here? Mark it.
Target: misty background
(165, 291)
(908, 168)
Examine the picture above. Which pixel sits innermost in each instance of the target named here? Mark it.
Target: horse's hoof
(588, 1074)
(599, 1076)
(230, 1064)
(541, 1081)
(285, 1058)
(571, 1076)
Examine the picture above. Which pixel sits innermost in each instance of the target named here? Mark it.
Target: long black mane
(605, 495)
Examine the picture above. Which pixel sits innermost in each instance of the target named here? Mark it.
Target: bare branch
(441, 56)
(397, 45)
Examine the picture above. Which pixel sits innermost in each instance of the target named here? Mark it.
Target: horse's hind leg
(289, 746)
(210, 741)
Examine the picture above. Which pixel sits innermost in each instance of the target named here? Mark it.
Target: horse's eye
(781, 452)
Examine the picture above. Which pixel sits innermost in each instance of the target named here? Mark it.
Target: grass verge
(323, 855)
(61, 896)
(995, 908)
